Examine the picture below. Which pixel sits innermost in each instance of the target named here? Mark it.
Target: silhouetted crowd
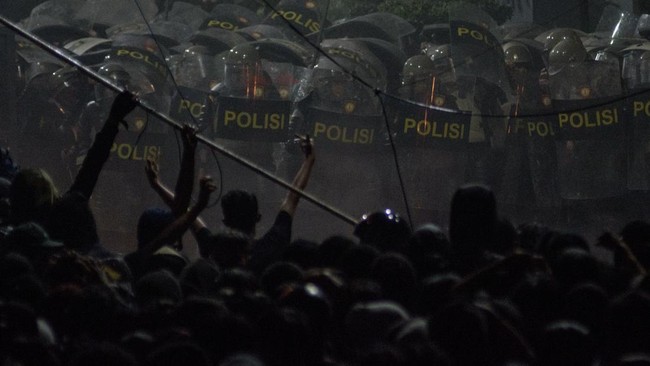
(482, 292)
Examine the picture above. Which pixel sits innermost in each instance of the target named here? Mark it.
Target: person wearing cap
(31, 241)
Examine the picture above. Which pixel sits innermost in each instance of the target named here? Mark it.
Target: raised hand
(206, 187)
(306, 145)
(152, 171)
(123, 104)
(189, 136)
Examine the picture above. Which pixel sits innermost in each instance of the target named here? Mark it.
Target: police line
(413, 124)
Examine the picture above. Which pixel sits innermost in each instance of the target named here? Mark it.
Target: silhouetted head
(385, 230)
(472, 222)
(240, 211)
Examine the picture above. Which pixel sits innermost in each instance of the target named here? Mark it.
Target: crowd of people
(482, 292)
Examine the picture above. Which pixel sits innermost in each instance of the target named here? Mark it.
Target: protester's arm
(86, 179)
(185, 181)
(152, 172)
(292, 198)
(183, 222)
(153, 177)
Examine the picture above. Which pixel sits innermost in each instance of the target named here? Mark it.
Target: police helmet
(416, 67)
(242, 54)
(439, 54)
(116, 73)
(243, 72)
(567, 52)
(443, 63)
(386, 230)
(516, 53)
(558, 35)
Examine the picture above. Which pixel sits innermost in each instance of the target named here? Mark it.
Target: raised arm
(86, 179)
(183, 222)
(302, 177)
(185, 181)
(153, 177)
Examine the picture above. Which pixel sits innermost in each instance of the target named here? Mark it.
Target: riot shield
(230, 17)
(479, 65)
(196, 72)
(167, 33)
(384, 26)
(474, 47)
(90, 51)
(430, 133)
(616, 23)
(48, 112)
(616, 30)
(636, 80)
(261, 31)
(338, 107)
(185, 13)
(296, 18)
(216, 40)
(99, 15)
(253, 104)
(52, 21)
(391, 56)
(591, 131)
(143, 59)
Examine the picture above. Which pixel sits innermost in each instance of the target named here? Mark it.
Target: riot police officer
(530, 167)
(431, 170)
(592, 167)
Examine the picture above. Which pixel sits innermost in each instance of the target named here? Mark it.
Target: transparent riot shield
(143, 58)
(340, 110)
(253, 107)
(479, 65)
(384, 26)
(591, 131)
(185, 13)
(475, 49)
(48, 115)
(430, 133)
(196, 72)
(636, 79)
(616, 30)
(54, 22)
(98, 15)
(297, 19)
(135, 62)
(616, 23)
(230, 17)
